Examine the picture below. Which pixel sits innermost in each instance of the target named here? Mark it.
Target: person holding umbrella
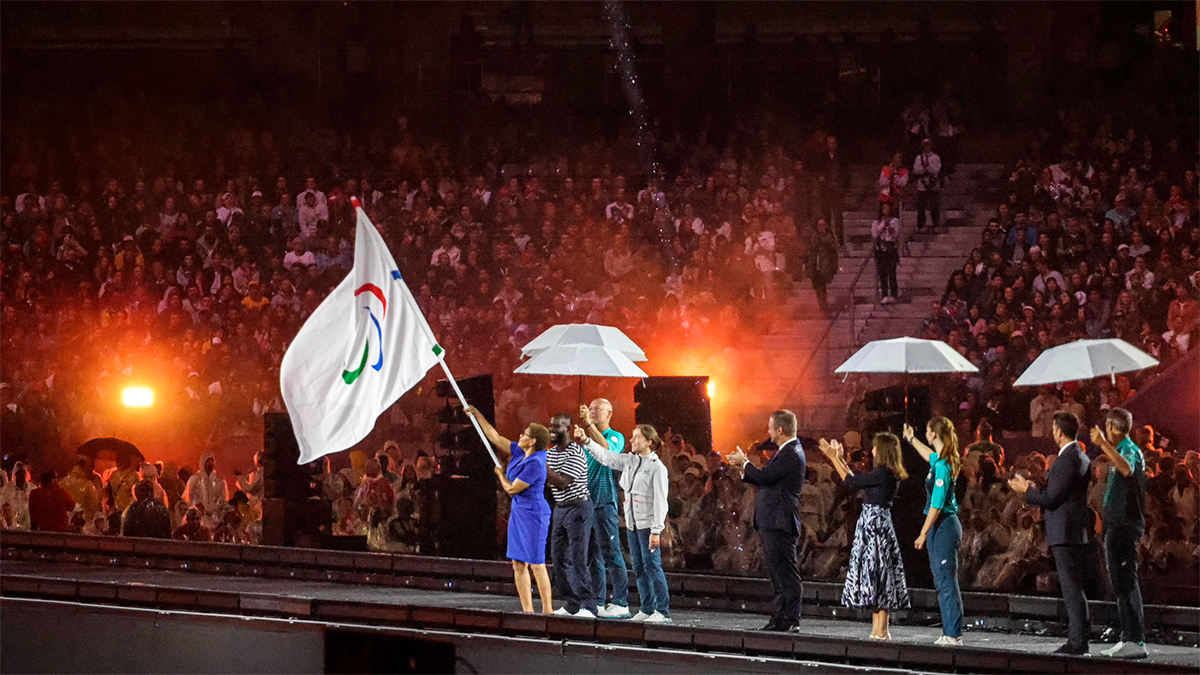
(529, 518)
(942, 529)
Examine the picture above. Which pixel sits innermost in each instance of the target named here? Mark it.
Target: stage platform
(74, 587)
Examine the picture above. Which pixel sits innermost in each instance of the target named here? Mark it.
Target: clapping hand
(737, 458)
(1018, 483)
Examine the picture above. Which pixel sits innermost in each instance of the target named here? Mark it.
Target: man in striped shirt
(571, 524)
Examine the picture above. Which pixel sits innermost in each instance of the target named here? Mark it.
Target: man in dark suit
(1064, 505)
(776, 506)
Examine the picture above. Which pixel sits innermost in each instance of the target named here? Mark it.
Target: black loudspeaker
(306, 524)
(283, 478)
(466, 488)
(349, 651)
(679, 404)
(888, 406)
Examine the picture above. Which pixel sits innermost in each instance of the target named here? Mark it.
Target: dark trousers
(942, 543)
(885, 266)
(929, 201)
(831, 211)
(1071, 562)
(779, 556)
(1120, 553)
(570, 532)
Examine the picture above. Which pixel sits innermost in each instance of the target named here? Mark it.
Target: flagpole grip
(474, 422)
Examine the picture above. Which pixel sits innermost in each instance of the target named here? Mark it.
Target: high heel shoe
(885, 638)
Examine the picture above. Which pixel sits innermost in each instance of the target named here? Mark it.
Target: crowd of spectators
(192, 252)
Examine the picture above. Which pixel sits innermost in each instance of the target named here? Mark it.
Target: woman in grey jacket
(644, 480)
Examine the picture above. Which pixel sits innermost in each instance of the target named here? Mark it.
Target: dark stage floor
(283, 589)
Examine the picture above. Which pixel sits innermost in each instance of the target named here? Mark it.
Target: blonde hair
(944, 429)
(887, 454)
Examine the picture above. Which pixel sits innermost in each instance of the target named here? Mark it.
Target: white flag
(362, 348)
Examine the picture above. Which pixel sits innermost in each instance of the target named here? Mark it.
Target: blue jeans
(606, 559)
(570, 530)
(942, 544)
(647, 567)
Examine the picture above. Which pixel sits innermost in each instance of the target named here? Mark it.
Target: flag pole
(474, 422)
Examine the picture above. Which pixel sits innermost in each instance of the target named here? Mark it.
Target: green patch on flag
(437, 350)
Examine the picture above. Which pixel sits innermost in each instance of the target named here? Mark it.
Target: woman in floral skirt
(875, 578)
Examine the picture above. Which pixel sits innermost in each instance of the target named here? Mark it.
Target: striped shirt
(571, 462)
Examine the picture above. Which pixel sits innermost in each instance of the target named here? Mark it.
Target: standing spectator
(822, 262)
(1064, 504)
(892, 180)
(1124, 523)
(206, 489)
(50, 506)
(1041, 412)
(833, 179)
(942, 527)
(146, 517)
(927, 169)
(192, 528)
(79, 485)
(571, 522)
(776, 505)
(885, 235)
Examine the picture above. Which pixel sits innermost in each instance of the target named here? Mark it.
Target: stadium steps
(811, 345)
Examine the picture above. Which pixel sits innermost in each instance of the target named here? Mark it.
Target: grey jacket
(645, 482)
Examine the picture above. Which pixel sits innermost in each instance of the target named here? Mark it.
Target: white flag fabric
(363, 347)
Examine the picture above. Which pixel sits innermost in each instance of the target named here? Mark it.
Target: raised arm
(610, 459)
(589, 426)
(924, 450)
(834, 452)
(1119, 462)
(501, 443)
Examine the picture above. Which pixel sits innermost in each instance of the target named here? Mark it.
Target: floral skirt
(875, 578)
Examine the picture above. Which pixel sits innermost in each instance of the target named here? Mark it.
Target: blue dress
(529, 517)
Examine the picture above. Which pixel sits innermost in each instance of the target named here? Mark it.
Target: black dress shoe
(793, 629)
(773, 627)
(1072, 649)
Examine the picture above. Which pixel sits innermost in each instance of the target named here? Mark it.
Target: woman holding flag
(529, 517)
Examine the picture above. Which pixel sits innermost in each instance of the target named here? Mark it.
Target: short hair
(143, 490)
(784, 419)
(540, 436)
(1067, 423)
(1121, 419)
(48, 477)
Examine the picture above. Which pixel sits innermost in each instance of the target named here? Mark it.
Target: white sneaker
(562, 611)
(657, 617)
(584, 614)
(948, 641)
(1127, 650)
(1113, 649)
(641, 616)
(611, 611)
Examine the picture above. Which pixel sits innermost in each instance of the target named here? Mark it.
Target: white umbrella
(1083, 360)
(581, 360)
(906, 355)
(584, 334)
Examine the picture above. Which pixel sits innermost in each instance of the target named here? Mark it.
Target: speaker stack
(677, 403)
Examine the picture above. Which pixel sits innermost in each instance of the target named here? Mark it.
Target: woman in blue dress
(529, 515)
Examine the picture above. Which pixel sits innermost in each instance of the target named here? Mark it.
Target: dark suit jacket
(777, 503)
(1064, 499)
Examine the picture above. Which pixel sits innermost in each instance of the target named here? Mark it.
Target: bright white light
(137, 397)
(712, 390)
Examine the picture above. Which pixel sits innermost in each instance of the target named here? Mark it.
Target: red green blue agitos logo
(369, 289)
